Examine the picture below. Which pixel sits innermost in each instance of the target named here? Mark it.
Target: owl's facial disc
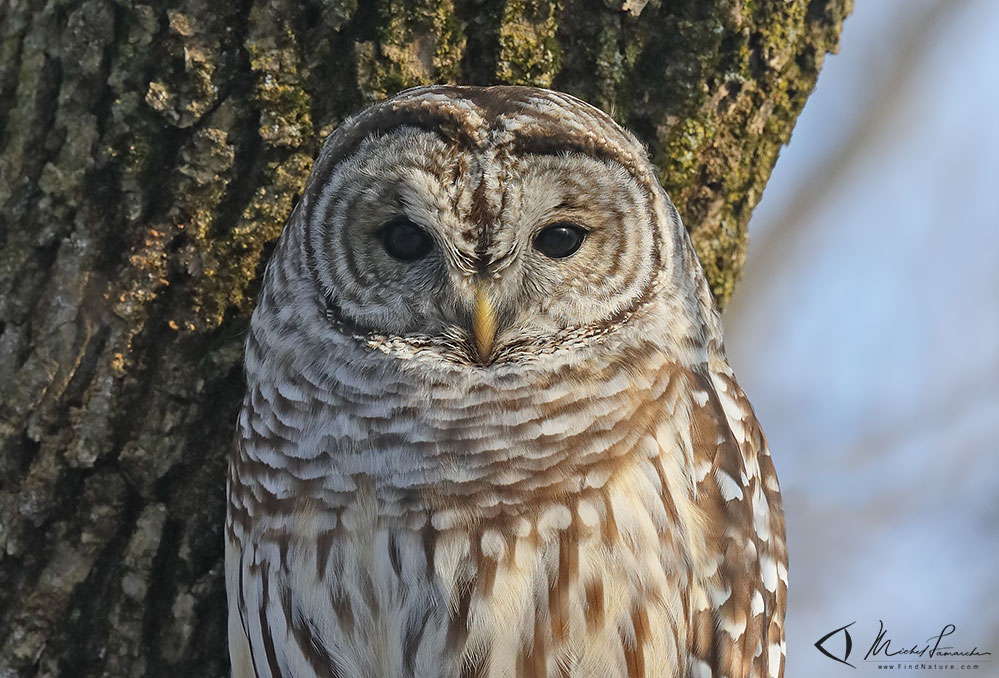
(482, 258)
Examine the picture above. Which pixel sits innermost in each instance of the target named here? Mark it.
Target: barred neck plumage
(497, 440)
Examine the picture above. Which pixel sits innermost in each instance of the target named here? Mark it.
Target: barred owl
(489, 427)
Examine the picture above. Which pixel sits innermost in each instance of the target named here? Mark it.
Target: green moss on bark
(529, 51)
(418, 43)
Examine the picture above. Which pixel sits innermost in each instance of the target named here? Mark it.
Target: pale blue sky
(866, 333)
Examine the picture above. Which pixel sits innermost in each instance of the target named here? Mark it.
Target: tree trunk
(149, 156)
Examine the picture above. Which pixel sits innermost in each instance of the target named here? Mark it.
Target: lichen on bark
(150, 153)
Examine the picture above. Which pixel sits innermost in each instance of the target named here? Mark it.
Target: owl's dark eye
(559, 240)
(404, 240)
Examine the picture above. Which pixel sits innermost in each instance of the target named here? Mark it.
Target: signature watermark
(940, 651)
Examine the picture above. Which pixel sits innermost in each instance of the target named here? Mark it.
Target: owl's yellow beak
(484, 324)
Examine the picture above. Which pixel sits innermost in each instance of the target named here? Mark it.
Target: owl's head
(489, 225)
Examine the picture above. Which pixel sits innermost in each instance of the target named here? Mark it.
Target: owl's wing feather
(738, 602)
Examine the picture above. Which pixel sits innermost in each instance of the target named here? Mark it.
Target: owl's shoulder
(739, 599)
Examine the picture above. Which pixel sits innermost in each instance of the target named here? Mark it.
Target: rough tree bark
(149, 155)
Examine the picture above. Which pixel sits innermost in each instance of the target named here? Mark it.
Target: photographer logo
(943, 650)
